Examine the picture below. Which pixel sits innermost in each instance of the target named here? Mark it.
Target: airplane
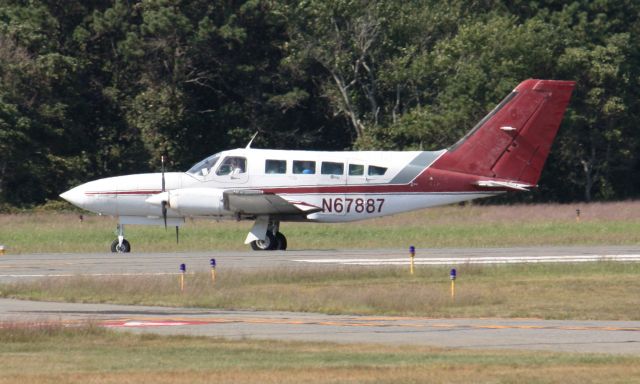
(505, 151)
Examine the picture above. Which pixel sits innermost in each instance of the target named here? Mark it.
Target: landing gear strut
(120, 245)
(274, 239)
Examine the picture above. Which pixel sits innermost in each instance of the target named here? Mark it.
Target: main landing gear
(120, 245)
(270, 243)
(273, 241)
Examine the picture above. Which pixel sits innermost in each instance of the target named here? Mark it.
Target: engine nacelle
(197, 201)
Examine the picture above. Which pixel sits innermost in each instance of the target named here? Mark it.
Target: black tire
(126, 247)
(268, 244)
(281, 242)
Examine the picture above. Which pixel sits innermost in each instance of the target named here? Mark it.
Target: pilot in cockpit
(236, 166)
(232, 166)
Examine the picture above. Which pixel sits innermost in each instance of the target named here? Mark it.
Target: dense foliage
(94, 88)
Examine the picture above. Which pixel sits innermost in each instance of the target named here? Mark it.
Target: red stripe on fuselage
(142, 192)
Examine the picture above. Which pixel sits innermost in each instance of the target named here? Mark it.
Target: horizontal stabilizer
(503, 184)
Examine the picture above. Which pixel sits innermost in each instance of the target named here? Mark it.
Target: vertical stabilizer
(513, 141)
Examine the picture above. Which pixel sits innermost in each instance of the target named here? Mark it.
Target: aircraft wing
(256, 202)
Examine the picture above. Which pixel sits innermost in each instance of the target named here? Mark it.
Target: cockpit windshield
(205, 166)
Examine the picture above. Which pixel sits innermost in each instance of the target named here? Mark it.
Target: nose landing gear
(116, 247)
(120, 245)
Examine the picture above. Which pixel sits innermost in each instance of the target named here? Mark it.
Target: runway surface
(33, 266)
(573, 336)
(522, 334)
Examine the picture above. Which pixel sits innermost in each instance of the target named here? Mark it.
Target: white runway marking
(92, 274)
(478, 260)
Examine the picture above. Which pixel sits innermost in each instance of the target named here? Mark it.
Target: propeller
(164, 213)
(162, 170)
(164, 202)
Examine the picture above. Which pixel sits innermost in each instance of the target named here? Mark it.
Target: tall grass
(451, 226)
(604, 291)
(57, 354)
(26, 332)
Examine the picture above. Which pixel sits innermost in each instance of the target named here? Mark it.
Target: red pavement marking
(141, 324)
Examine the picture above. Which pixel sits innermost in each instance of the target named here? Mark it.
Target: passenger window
(329, 168)
(232, 166)
(275, 166)
(304, 167)
(376, 171)
(356, 169)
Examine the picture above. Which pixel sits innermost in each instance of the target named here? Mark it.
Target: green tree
(598, 143)
(91, 88)
(35, 104)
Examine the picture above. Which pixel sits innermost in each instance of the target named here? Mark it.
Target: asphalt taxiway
(571, 336)
(612, 337)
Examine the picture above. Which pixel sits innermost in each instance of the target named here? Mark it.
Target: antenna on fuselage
(251, 141)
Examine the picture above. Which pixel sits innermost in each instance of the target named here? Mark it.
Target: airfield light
(412, 254)
(578, 215)
(183, 269)
(213, 270)
(452, 276)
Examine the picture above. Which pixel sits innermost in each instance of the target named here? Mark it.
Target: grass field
(55, 354)
(450, 226)
(604, 291)
(592, 291)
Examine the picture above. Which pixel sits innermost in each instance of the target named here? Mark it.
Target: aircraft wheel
(125, 248)
(281, 242)
(267, 244)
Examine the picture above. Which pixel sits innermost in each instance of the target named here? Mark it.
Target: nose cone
(75, 196)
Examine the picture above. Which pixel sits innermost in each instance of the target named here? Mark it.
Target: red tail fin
(513, 141)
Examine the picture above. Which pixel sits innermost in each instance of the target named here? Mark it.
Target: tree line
(91, 88)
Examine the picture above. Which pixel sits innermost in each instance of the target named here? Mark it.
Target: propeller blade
(164, 202)
(162, 164)
(164, 213)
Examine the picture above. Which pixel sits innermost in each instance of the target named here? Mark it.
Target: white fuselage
(370, 184)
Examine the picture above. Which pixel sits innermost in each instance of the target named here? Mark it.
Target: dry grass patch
(588, 291)
(110, 357)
